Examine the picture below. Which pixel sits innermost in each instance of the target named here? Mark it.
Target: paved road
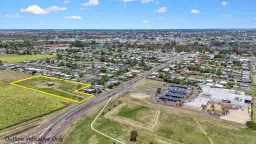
(62, 121)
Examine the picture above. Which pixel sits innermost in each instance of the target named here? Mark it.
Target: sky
(127, 14)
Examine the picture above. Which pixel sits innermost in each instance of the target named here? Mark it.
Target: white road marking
(101, 132)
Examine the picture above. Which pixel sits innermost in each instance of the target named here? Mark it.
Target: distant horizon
(139, 29)
(127, 14)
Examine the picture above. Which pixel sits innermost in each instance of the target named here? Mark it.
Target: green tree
(92, 83)
(110, 86)
(102, 59)
(78, 86)
(134, 135)
(47, 60)
(99, 91)
(59, 56)
(251, 125)
(161, 76)
(1, 63)
(33, 72)
(61, 64)
(159, 90)
(81, 75)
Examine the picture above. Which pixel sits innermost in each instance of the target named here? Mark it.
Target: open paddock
(21, 58)
(60, 88)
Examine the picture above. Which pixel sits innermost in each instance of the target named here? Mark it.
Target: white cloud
(55, 9)
(147, 1)
(194, 11)
(66, 1)
(125, 1)
(224, 3)
(142, 1)
(144, 21)
(161, 10)
(73, 17)
(91, 3)
(35, 9)
(17, 15)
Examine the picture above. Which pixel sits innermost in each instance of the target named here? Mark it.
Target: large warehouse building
(233, 97)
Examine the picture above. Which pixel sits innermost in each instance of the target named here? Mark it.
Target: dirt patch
(149, 125)
(139, 95)
(239, 116)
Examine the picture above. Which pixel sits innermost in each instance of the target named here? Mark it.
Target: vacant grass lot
(21, 58)
(18, 105)
(132, 113)
(175, 126)
(60, 87)
(58, 93)
(147, 84)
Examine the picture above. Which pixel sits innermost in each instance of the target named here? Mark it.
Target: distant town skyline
(127, 14)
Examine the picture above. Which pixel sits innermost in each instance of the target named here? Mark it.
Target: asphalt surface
(50, 132)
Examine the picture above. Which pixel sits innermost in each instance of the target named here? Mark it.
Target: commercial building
(233, 97)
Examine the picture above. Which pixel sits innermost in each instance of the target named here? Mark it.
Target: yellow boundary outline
(77, 91)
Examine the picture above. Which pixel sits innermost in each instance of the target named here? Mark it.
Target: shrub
(251, 125)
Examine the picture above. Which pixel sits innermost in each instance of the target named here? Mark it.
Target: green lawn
(21, 58)
(58, 93)
(131, 113)
(18, 105)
